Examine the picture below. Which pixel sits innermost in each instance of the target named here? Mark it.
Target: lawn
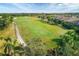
(31, 27)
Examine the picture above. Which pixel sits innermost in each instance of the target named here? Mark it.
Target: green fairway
(31, 27)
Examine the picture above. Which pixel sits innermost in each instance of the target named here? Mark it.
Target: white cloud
(31, 8)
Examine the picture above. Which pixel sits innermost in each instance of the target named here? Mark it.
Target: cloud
(39, 7)
(66, 7)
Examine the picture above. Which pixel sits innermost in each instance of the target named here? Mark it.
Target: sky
(39, 7)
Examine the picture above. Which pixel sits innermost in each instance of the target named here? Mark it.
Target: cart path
(18, 36)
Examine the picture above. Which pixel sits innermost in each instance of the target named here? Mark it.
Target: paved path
(19, 38)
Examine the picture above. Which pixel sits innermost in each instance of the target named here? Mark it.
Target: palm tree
(11, 47)
(7, 45)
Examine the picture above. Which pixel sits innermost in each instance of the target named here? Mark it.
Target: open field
(31, 27)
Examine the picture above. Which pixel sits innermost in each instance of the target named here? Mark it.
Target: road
(18, 36)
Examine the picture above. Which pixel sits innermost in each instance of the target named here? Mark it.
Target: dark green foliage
(2, 24)
(5, 21)
(68, 44)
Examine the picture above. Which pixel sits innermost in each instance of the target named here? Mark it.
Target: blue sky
(38, 7)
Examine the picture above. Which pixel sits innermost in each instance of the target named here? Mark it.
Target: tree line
(64, 24)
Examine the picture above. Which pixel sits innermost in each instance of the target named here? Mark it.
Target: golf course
(32, 28)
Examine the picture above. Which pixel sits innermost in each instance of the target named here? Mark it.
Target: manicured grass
(31, 27)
